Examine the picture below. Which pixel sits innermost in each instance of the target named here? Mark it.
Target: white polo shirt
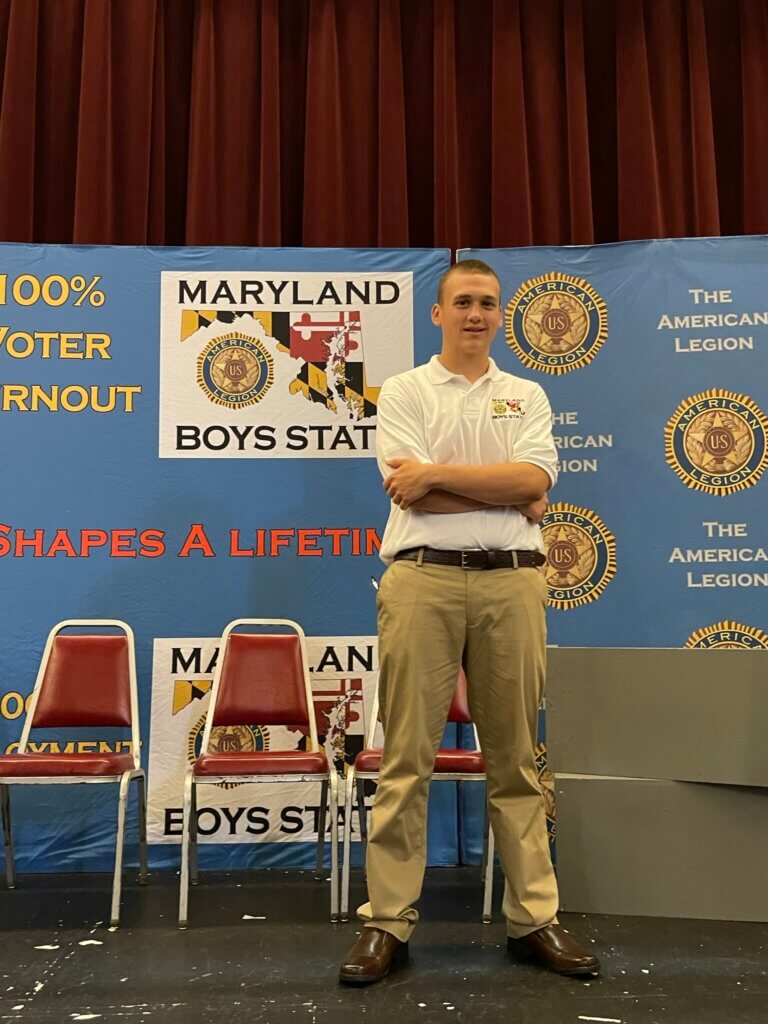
(432, 415)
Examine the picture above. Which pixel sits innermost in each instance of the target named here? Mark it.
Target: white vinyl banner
(265, 364)
(343, 670)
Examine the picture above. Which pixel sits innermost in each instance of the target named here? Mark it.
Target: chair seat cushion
(470, 761)
(30, 765)
(263, 762)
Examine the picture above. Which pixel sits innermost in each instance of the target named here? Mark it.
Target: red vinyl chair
(451, 765)
(84, 680)
(260, 679)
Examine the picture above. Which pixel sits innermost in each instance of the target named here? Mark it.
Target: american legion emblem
(547, 785)
(556, 323)
(581, 555)
(235, 370)
(227, 739)
(717, 442)
(727, 635)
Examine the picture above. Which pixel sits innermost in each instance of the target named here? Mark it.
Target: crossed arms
(413, 480)
(449, 489)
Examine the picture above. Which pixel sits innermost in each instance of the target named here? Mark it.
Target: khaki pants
(429, 617)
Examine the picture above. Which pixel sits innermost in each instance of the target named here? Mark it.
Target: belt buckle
(464, 560)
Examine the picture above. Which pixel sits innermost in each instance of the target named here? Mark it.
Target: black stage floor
(259, 948)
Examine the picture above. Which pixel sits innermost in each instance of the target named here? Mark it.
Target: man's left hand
(410, 481)
(534, 511)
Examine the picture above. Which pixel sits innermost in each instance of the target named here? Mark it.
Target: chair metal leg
(363, 824)
(187, 819)
(193, 830)
(348, 791)
(486, 828)
(333, 779)
(122, 802)
(488, 877)
(142, 788)
(10, 871)
(321, 820)
(363, 821)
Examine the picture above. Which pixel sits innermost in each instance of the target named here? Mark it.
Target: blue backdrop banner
(654, 356)
(188, 438)
(655, 359)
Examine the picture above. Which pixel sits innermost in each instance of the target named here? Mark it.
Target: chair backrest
(458, 711)
(261, 679)
(86, 680)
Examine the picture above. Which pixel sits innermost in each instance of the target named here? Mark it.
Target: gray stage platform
(662, 780)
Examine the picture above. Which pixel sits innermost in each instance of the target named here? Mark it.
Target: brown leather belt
(473, 559)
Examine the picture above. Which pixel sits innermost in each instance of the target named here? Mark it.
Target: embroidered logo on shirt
(507, 409)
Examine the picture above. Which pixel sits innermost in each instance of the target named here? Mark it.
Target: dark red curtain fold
(225, 125)
(18, 120)
(448, 134)
(325, 174)
(754, 84)
(381, 122)
(578, 184)
(511, 184)
(268, 143)
(667, 158)
(390, 185)
(705, 211)
(113, 161)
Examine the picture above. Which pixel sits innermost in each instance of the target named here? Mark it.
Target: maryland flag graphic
(327, 346)
(187, 690)
(330, 346)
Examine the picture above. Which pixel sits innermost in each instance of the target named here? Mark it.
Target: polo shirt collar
(438, 374)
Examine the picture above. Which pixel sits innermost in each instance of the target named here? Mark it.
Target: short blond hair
(466, 267)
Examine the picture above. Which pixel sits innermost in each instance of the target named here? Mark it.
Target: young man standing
(468, 457)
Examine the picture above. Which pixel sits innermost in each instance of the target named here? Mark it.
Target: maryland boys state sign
(279, 365)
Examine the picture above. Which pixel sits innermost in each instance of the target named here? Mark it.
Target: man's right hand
(408, 481)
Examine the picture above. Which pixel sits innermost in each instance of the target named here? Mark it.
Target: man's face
(469, 313)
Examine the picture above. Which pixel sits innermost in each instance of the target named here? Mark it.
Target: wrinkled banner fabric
(188, 438)
(654, 356)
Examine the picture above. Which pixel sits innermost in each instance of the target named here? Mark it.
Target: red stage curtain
(381, 122)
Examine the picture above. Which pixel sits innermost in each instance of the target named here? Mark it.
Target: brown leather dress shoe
(552, 947)
(371, 957)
